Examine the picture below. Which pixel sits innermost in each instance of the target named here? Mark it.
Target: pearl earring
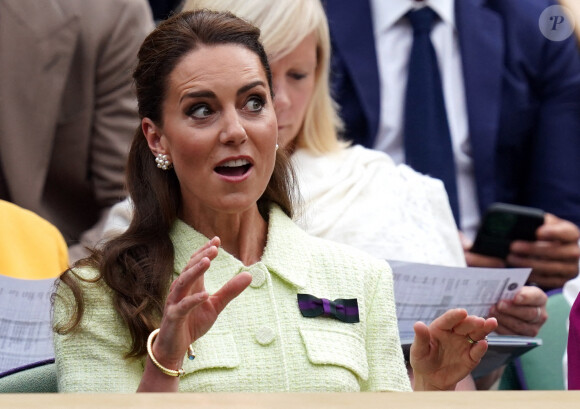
(276, 146)
(162, 161)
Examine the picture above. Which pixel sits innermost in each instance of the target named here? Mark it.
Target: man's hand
(553, 257)
(524, 315)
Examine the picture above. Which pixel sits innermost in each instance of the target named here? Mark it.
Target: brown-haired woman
(205, 164)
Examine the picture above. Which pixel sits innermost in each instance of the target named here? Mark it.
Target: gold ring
(471, 341)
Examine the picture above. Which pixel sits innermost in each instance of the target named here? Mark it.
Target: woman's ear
(154, 136)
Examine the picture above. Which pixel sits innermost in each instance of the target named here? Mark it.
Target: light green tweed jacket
(260, 342)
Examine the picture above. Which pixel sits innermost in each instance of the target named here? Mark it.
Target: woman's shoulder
(288, 238)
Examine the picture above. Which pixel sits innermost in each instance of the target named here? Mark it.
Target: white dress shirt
(393, 41)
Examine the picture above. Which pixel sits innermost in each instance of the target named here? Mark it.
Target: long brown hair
(138, 264)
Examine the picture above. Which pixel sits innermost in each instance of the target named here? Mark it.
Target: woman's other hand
(448, 349)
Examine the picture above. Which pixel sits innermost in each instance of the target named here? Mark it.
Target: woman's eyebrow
(251, 85)
(198, 94)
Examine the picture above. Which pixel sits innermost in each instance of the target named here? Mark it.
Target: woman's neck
(243, 234)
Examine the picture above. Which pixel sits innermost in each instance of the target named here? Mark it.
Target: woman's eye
(297, 75)
(255, 104)
(200, 111)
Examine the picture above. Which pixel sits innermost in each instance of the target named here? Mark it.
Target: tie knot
(422, 20)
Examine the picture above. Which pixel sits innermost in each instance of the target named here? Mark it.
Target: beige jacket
(67, 109)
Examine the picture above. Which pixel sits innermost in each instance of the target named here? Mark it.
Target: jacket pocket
(213, 350)
(334, 347)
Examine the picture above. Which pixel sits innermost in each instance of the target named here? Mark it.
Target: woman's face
(294, 78)
(219, 129)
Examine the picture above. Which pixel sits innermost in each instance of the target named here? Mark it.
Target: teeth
(235, 163)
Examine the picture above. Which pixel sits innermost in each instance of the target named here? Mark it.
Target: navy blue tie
(426, 135)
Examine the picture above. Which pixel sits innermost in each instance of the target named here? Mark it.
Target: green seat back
(38, 379)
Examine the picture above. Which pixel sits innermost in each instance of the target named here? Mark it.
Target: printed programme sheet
(25, 322)
(423, 291)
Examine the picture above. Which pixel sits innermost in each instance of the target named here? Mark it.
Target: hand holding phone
(504, 223)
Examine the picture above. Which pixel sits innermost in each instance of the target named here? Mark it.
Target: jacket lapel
(31, 99)
(482, 51)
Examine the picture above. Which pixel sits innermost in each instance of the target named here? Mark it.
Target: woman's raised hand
(448, 349)
(189, 310)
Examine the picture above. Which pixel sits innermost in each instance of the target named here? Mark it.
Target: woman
(205, 99)
(354, 195)
(351, 195)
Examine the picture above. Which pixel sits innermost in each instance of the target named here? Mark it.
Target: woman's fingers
(190, 280)
(192, 273)
(477, 328)
(202, 252)
(449, 319)
(230, 290)
(478, 350)
(189, 302)
(421, 343)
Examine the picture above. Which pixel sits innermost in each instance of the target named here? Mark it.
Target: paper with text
(25, 321)
(424, 291)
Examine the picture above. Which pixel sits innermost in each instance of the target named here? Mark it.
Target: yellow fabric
(30, 247)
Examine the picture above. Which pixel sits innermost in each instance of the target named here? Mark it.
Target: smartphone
(504, 223)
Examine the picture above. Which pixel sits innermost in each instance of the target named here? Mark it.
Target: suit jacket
(68, 112)
(522, 94)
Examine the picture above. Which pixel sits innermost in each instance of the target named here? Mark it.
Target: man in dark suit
(516, 91)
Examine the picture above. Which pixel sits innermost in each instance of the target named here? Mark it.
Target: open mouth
(237, 167)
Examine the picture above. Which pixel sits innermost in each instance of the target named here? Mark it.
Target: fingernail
(519, 298)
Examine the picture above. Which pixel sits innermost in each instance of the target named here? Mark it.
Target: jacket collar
(286, 246)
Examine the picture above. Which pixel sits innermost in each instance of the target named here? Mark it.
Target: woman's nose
(233, 131)
(281, 100)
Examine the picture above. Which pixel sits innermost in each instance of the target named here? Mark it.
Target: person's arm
(551, 178)
(92, 357)
(446, 351)
(188, 314)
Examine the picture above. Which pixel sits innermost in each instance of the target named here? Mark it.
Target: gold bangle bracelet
(169, 372)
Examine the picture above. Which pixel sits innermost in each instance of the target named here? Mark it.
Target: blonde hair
(283, 25)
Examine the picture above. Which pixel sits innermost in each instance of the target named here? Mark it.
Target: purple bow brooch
(345, 310)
